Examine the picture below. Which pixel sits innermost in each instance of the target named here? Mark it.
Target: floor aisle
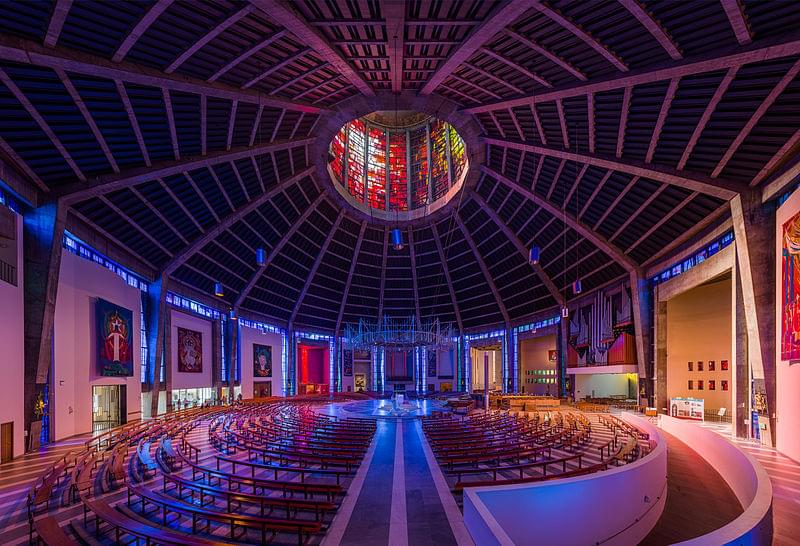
(427, 521)
(369, 523)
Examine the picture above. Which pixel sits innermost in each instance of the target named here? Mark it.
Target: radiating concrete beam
(754, 230)
(43, 231)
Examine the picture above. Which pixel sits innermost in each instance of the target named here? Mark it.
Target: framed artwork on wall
(712, 365)
(699, 384)
(262, 360)
(691, 385)
(712, 385)
(190, 351)
(114, 339)
(691, 366)
(790, 289)
(724, 385)
(723, 365)
(552, 355)
(699, 365)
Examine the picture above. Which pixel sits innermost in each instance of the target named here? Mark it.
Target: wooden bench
(123, 525)
(146, 462)
(49, 532)
(117, 464)
(276, 469)
(234, 521)
(627, 451)
(235, 498)
(459, 487)
(256, 484)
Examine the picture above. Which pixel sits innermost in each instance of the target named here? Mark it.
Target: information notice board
(687, 408)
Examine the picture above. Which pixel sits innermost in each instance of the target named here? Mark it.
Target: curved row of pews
(273, 471)
(504, 448)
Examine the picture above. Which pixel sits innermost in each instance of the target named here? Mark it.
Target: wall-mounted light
(261, 257)
(576, 287)
(232, 314)
(218, 289)
(396, 237)
(565, 312)
(534, 255)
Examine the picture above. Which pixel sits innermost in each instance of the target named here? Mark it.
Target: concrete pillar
(486, 381)
(232, 347)
(754, 230)
(43, 231)
(740, 413)
(510, 382)
(156, 322)
(562, 341)
(660, 353)
(216, 357)
(641, 302)
(291, 364)
(168, 364)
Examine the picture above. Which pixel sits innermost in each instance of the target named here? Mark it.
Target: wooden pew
(49, 532)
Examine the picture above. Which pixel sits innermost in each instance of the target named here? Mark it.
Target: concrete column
(754, 230)
(508, 356)
(486, 381)
(562, 339)
(660, 383)
(641, 303)
(216, 356)
(291, 364)
(43, 231)
(168, 364)
(740, 413)
(232, 348)
(156, 321)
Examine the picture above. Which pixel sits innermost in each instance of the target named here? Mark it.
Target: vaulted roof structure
(192, 133)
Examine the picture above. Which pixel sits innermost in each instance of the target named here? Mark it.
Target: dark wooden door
(6, 442)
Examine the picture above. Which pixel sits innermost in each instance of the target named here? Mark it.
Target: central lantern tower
(397, 165)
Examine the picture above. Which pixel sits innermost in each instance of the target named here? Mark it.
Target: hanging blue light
(534, 255)
(396, 237)
(576, 287)
(261, 257)
(218, 289)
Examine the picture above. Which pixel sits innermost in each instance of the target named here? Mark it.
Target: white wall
(534, 354)
(700, 328)
(247, 338)
(444, 366)
(787, 376)
(603, 385)
(81, 282)
(183, 380)
(12, 340)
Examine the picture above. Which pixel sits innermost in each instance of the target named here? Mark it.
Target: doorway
(262, 389)
(108, 407)
(6, 442)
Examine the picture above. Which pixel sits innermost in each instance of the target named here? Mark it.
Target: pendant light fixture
(218, 289)
(261, 257)
(396, 237)
(534, 255)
